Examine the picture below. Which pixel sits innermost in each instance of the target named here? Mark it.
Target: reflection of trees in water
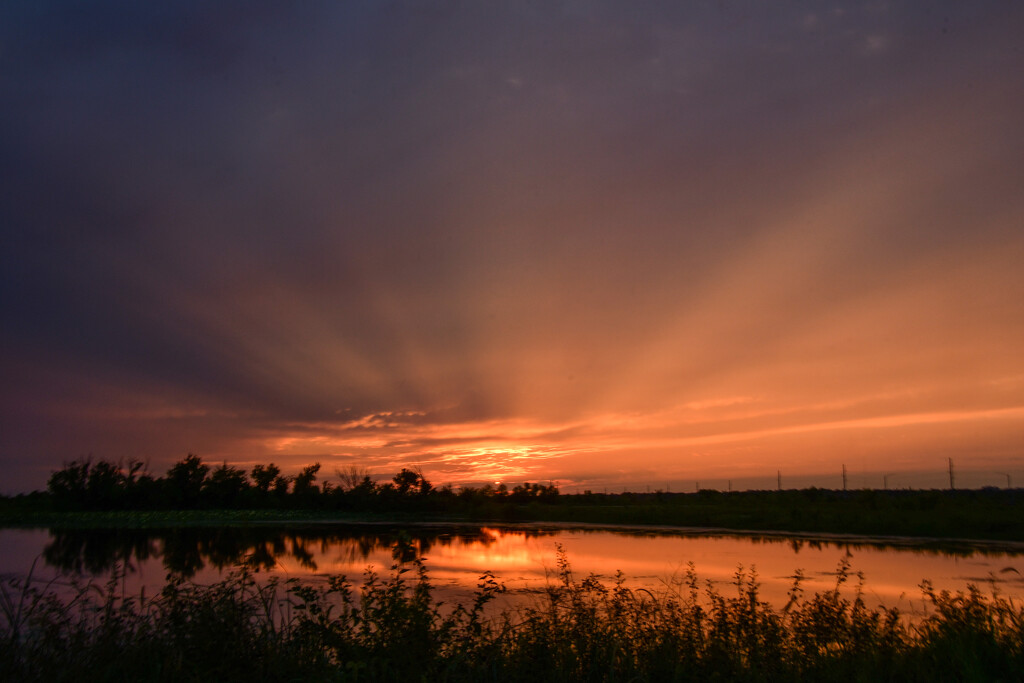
(946, 548)
(185, 551)
(98, 551)
(916, 546)
(412, 543)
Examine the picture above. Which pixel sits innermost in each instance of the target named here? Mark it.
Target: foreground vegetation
(103, 494)
(587, 630)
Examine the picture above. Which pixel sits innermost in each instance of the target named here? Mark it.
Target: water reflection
(184, 552)
(523, 557)
(798, 542)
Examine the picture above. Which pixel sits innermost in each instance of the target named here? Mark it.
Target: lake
(522, 557)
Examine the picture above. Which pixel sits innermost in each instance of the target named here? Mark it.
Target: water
(524, 558)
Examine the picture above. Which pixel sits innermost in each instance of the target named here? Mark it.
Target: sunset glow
(603, 245)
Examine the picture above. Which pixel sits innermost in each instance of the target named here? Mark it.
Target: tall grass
(579, 629)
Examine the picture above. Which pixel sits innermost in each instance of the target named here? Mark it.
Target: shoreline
(156, 520)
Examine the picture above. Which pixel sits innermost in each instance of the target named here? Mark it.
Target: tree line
(190, 483)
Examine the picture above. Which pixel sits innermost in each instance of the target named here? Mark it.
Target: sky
(603, 244)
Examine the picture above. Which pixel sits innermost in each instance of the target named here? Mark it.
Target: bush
(579, 630)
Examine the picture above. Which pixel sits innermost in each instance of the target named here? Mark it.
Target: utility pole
(730, 485)
(951, 487)
(844, 477)
(778, 476)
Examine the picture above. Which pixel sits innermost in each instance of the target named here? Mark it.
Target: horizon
(855, 480)
(594, 243)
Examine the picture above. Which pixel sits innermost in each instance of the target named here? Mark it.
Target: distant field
(978, 514)
(988, 514)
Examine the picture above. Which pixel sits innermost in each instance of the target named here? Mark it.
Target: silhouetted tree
(185, 480)
(528, 492)
(304, 480)
(424, 486)
(225, 486)
(69, 485)
(263, 476)
(304, 489)
(353, 477)
(405, 481)
(140, 488)
(408, 482)
(281, 484)
(356, 489)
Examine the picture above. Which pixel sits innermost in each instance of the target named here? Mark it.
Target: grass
(985, 514)
(579, 629)
(991, 514)
(166, 519)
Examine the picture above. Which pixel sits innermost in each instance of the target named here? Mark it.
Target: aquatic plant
(246, 628)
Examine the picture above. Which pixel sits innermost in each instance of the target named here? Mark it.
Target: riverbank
(981, 515)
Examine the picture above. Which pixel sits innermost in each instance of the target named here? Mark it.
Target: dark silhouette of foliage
(528, 492)
(68, 486)
(185, 481)
(408, 482)
(305, 481)
(225, 487)
(263, 476)
(192, 484)
(304, 489)
(392, 629)
(87, 485)
(100, 485)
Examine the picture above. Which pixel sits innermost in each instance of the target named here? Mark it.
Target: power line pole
(951, 487)
(844, 477)
(778, 475)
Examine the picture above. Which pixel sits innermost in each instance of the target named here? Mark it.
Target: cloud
(396, 231)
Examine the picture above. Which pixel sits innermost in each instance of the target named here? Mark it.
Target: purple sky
(603, 243)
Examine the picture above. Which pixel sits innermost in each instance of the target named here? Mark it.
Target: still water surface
(523, 558)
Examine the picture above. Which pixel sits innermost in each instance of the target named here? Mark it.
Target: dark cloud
(307, 214)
